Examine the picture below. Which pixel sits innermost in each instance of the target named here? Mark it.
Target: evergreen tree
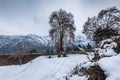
(101, 34)
(84, 47)
(33, 51)
(89, 47)
(79, 46)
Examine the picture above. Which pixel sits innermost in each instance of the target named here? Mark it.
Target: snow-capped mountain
(83, 41)
(9, 44)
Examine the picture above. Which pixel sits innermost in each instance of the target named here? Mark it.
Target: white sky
(32, 16)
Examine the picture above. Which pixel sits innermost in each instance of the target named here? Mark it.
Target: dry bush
(117, 40)
(18, 54)
(96, 57)
(93, 72)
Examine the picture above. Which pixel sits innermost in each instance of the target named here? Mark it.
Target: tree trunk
(61, 40)
(61, 44)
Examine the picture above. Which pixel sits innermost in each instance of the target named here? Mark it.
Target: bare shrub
(18, 54)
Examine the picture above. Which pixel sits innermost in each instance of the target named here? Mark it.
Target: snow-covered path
(42, 68)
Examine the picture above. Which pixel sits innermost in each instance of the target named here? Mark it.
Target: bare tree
(19, 54)
(62, 28)
(105, 25)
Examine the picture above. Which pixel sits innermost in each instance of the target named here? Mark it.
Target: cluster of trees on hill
(87, 47)
(97, 28)
(105, 25)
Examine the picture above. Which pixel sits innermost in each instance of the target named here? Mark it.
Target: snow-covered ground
(106, 48)
(111, 66)
(43, 68)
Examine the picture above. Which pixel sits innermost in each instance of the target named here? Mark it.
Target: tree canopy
(62, 29)
(104, 25)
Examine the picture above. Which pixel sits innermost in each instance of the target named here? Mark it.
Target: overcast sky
(32, 16)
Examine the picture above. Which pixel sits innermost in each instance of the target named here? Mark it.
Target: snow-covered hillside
(10, 44)
(111, 66)
(43, 68)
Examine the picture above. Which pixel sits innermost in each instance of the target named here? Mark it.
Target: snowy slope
(43, 68)
(111, 66)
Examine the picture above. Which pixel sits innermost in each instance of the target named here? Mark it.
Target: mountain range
(12, 43)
